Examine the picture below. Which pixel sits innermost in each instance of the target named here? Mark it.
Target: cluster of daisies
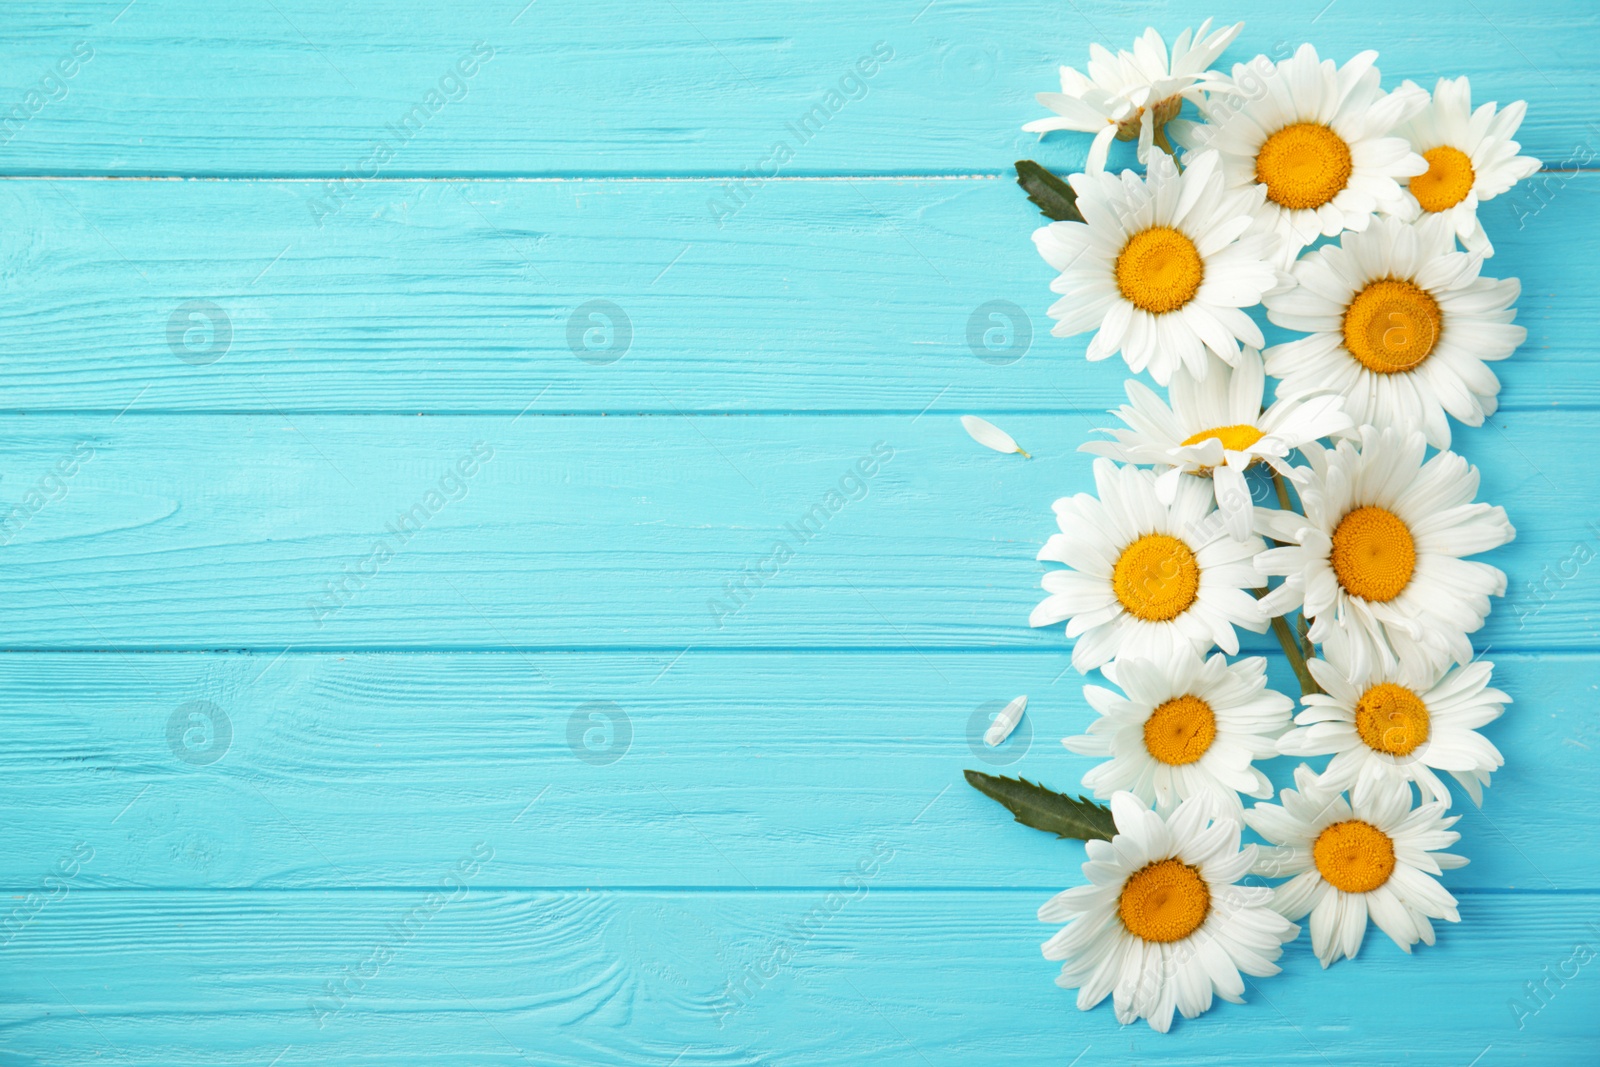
(1205, 496)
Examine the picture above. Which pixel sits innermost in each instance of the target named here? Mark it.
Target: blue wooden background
(287, 781)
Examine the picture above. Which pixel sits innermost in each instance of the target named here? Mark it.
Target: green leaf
(1053, 196)
(1043, 809)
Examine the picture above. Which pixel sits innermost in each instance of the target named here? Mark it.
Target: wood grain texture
(663, 532)
(869, 975)
(769, 769)
(702, 87)
(477, 297)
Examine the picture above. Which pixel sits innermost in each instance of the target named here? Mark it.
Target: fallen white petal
(1005, 722)
(989, 435)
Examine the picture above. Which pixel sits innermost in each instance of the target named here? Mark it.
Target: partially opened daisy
(1400, 324)
(1373, 855)
(1316, 139)
(1162, 926)
(1471, 157)
(1216, 428)
(1378, 552)
(1397, 723)
(1147, 579)
(1159, 266)
(1187, 727)
(1133, 94)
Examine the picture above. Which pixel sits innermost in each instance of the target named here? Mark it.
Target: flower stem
(1297, 658)
(1298, 652)
(1159, 138)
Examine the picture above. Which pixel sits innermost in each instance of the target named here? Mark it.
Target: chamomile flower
(1147, 579)
(1378, 553)
(1395, 723)
(1187, 726)
(1216, 428)
(1400, 325)
(1132, 94)
(1471, 157)
(1159, 267)
(1162, 924)
(1315, 139)
(1371, 856)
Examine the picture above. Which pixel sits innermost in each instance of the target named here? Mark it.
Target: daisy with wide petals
(1400, 324)
(1133, 94)
(1187, 727)
(1373, 855)
(1162, 926)
(1216, 428)
(1146, 578)
(1160, 267)
(1395, 723)
(1315, 139)
(1471, 157)
(1378, 553)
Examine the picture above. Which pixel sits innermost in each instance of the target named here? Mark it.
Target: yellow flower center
(1234, 438)
(1159, 270)
(1156, 578)
(1303, 166)
(1164, 901)
(1391, 718)
(1448, 180)
(1373, 554)
(1391, 326)
(1180, 730)
(1354, 856)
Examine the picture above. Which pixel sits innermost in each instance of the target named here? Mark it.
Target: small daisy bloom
(1162, 926)
(1396, 723)
(1187, 726)
(1471, 158)
(1315, 138)
(1159, 266)
(1400, 325)
(1377, 554)
(1374, 856)
(1216, 428)
(1132, 94)
(1147, 579)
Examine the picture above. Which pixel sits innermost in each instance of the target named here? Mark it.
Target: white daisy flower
(1216, 427)
(1471, 158)
(1159, 267)
(1377, 553)
(1143, 581)
(1315, 139)
(1187, 726)
(1400, 325)
(1376, 856)
(1396, 723)
(1162, 926)
(1132, 94)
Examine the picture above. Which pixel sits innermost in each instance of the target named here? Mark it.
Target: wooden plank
(303, 87)
(855, 975)
(625, 769)
(265, 532)
(481, 297)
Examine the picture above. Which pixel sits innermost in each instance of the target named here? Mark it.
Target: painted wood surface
(695, 87)
(482, 296)
(520, 791)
